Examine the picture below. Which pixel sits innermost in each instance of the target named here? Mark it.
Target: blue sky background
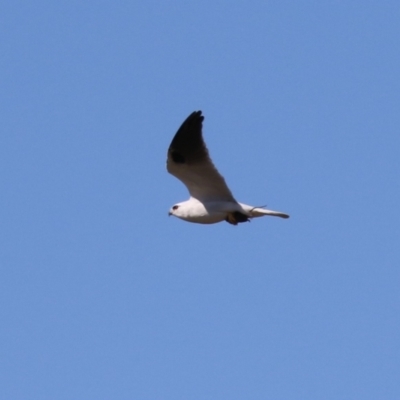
(105, 297)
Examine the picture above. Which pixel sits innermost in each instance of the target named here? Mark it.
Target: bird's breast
(197, 212)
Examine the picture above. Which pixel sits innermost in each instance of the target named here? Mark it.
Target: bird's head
(174, 210)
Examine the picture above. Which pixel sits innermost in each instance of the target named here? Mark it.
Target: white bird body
(211, 212)
(211, 200)
(193, 210)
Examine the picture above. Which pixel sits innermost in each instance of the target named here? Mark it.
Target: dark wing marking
(189, 161)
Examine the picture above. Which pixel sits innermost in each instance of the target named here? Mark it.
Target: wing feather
(189, 161)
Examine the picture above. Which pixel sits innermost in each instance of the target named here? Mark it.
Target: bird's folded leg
(236, 217)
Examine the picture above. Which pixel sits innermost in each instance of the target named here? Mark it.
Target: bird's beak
(169, 213)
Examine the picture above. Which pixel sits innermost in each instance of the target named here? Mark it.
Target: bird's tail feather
(261, 211)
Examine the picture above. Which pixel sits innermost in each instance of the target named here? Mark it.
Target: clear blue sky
(105, 297)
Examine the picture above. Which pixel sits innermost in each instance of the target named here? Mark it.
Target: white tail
(254, 212)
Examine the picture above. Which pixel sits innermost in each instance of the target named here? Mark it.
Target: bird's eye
(175, 207)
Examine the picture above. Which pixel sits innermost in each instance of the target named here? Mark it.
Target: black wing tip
(193, 121)
(188, 139)
(196, 116)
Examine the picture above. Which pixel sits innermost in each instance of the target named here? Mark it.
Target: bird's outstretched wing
(189, 161)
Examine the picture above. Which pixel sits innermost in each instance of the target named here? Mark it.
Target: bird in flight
(210, 201)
